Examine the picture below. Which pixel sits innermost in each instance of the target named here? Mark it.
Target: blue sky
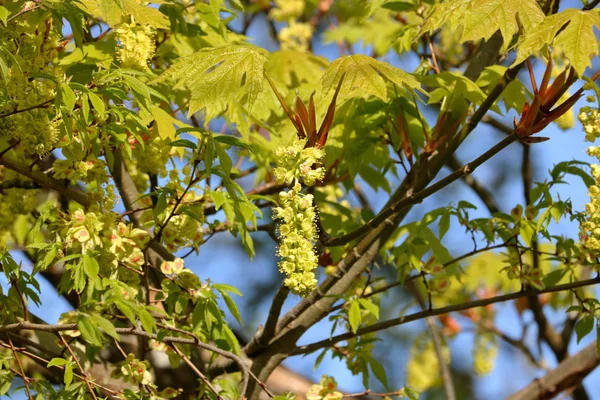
(224, 260)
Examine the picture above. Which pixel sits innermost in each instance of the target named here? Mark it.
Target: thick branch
(567, 374)
(46, 182)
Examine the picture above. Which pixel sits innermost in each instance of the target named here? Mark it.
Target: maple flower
(298, 232)
(136, 45)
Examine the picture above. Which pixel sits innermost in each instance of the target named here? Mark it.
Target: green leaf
(127, 310)
(527, 232)
(577, 39)
(379, 371)
(67, 96)
(227, 288)
(106, 326)
(584, 326)
(461, 90)
(147, 320)
(354, 316)
(3, 15)
(97, 103)
(114, 11)
(184, 143)
(68, 378)
(370, 306)
(364, 76)
(90, 266)
(219, 76)
(232, 307)
(223, 158)
(554, 277)
(293, 67)
(231, 141)
(444, 224)
(480, 19)
(89, 331)
(572, 168)
(57, 362)
(164, 123)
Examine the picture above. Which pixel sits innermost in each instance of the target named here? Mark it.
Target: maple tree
(133, 132)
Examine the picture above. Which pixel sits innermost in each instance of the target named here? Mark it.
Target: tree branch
(567, 374)
(47, 182)
(440, 311)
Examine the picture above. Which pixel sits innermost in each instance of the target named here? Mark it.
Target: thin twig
(198, 372)
(25, 378)
(41, 105)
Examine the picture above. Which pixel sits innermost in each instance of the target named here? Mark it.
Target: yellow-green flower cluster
(88, 171)
(136, 45)
(83, 232)
(134, 371)
(590, 227)
(298, 230)
(296, 162)
(485, 351)
(34, 49)
(590, 119)
(325, 390)
(296, 36)
(298, 233)
(286, 10)
(126, 245)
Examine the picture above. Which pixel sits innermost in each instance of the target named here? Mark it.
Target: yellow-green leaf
(364, 76)
(577, 39)
(219, 76)
(113, 12)
(480, 19)
(293, 67)
(354, 316)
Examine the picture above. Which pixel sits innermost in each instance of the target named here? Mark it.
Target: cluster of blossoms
(296, 36)
(136, 45)
(298, 230)
(325, 390)
(422, 360)
(286, 10)
(134, 371)
(33, 50)
(590, 119)
(526, 274)
(590, 227)
(296, 162)
(15, 201)
(174, 267)
(126, 245)
(113, 243)
(83, 231)
(485, 351)
(87, 171)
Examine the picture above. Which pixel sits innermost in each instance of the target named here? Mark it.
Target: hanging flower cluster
(136, 45)
(590, 119)
(590, 227)
(296, 162)
(296, 36)
(298, 230)
(33, 52)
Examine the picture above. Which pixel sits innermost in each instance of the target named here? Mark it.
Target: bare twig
(198, 372)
